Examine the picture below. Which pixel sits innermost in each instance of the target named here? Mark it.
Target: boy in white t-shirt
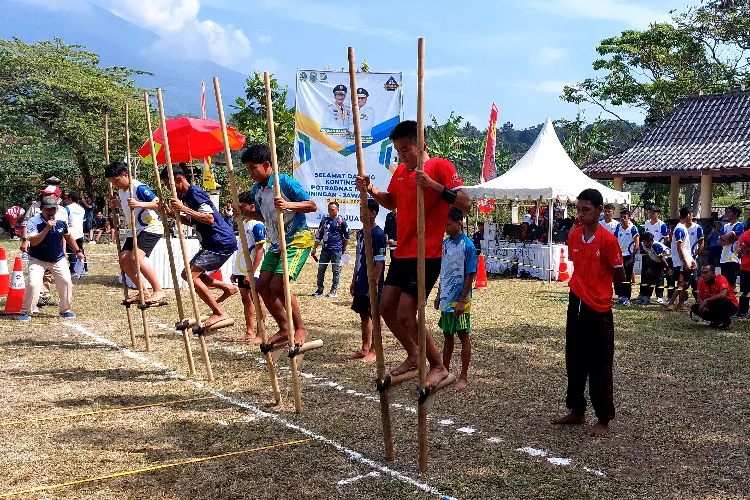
(660, 231)
(256, 239)
(609, 221)
(76, 214)
(683, 263)
(629, 239)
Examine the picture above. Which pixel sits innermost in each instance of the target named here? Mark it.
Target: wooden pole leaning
(183, 246)
(116, 223)
(261, 326)
(372, 280)
(168, 239)
(134, 235)
(282, 241)
(421, 295)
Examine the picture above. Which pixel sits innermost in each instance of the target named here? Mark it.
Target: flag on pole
(209, 181)
(489, 171)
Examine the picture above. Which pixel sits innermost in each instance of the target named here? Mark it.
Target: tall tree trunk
(83, 165)
(693, 197)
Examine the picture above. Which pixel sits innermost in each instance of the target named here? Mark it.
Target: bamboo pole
(134, 235)
(372, 280)
(168, 238)
(183, 247)
(282, 241)
(116, 223)
(261, 326)
(421, 298)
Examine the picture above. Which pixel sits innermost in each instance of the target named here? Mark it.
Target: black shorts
(402, 273)
(241, 283)
(361, 304)
(146, 242)
(680, 275)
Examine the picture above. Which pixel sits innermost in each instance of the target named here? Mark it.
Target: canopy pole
(549, 239)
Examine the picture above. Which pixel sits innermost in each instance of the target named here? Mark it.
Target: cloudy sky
(518, 54)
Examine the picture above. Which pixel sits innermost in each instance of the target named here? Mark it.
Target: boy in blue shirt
(360, 287)
(217, 241)
(333, 232)
(46, 253)
(730, 233)
(294, 203)
(656, 254)
(458, 268)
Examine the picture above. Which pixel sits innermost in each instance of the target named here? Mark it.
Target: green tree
(250, 118)
(60, 92)
(365, 66)
(652, 70)
(584, 143)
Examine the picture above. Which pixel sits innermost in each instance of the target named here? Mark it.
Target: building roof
(704, 133)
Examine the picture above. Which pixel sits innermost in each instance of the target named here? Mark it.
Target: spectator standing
(627, 236)
(660, 232)
(730, 232)
(333, 232)
(744, 252)
(391, 230)
(88, 222)
(76, 216)
(609, 222)
(478, 237)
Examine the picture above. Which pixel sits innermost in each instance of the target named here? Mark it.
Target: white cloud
(263, 38)
(629, 13)
(159, 15)
(265, 64)
(548, 56)
(550, 86)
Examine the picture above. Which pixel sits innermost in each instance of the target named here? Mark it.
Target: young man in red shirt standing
(589, 332)
(716, 300)
(441, 184)
(744, 253)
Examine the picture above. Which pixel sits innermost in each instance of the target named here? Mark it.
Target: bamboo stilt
(261, 326)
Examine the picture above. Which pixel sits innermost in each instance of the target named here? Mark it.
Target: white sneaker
(659, 300)
(626, 302)
(332, 295)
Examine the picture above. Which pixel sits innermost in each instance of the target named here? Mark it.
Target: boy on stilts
(255, 232)
(294, 202)
(360, 287)
(441, 184)
(458, 268)
(217, 241)
(589, 332)
(147, 225)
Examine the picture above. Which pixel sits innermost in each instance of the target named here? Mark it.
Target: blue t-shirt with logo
(332, 232)
(361, 283)
(217, 237)
(50, 249)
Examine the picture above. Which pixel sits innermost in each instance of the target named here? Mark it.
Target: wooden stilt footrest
(426, 395)
(390, 380)
(275, 349)
(201, 330)
(188, 322)
(307, 346)
(148, 305)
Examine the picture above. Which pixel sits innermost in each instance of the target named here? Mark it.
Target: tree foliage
(585, 143)
(60, 93)
(250, 118)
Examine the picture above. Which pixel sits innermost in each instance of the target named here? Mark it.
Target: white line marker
(446, 421)
(559, 461)
(351, 454)
(533, 451)
(495, 440)
(466, 430)
(222, 423)
(594, 471)
(354, 479)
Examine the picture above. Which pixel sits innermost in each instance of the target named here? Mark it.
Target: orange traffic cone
(17, 288)
(562, 272)
(4, 276)
(481, 281)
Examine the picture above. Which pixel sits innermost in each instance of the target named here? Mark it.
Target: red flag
(489, 172)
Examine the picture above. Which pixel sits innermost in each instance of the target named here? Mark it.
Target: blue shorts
(209, 261)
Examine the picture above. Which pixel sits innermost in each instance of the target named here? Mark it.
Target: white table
(531, 257)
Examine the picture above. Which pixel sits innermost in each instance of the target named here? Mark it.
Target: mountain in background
(121, 43)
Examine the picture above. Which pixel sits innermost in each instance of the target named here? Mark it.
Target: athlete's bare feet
(436, 375)
(599, 430)
(215, 318)
(461, 384)
(156, 296)
(135, 299)
(247, 337)
(281, 337)
(570, 419)
(255, 340)
(300, 336)
(359, 354)
(370, 357)
(408, 365)
(227, 293)
(670, 307)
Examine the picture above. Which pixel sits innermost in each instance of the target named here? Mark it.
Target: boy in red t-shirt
(441, 184)
(589, 332)
(716, 300)
(744, 252)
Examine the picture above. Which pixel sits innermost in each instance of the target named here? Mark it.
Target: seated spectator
(716, 300)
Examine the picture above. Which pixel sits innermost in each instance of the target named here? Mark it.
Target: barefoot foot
(599, 430)
(436, 375)
(461, 384)
(408, 365)
(300, 336)
(281, 337)
(215, 318)
(370, 357)
(358, 355)
(156, 296)
(247, 337)
(570, 419)
(227, 293)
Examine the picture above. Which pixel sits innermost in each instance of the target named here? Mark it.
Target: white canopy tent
(545, 172)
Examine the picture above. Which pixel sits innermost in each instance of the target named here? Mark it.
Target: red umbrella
(191, 138)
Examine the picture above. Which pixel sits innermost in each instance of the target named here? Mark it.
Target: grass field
(681, 392)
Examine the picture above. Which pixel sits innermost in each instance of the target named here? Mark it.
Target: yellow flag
(209, 181)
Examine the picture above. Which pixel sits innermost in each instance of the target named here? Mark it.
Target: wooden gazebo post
(674, 196)
(619, 186)
(706, 189)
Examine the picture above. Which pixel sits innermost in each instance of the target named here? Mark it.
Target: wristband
(449, 195)
(24, 239)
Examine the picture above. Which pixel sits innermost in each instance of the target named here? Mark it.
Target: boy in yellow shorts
(294, 203)
(458, 268)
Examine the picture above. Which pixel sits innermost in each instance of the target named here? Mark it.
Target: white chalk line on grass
(352, 480)
(330, 384)
(351, 454)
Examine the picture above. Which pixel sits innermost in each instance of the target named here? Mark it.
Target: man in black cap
(337, 118)
(366, 115)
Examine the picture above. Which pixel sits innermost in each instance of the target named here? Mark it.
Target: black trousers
(719, 311)
(744, 289)
(589, 354)
(652, 275)
(72, 255)
(626, 289)
(729, 270)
